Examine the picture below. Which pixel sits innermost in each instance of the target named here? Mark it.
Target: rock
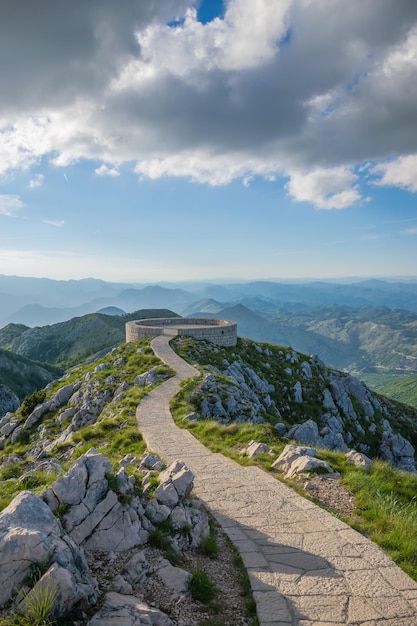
(167, 494)
(194, 521)
(9, 401)
(136, 569)
(254, 448)
(15, 434)
(307, 433)
(290, 454)
(174, 578)
(9, 427)
(306, 370)
(84, 483)
(31, 534)
(147, 378)
(157, 512)
(308, 464)
(281, 428)
(122, 610)
(37, 413)
(179, 476)
(357, 458)
(61, 397)
(120, 585)
(295, 459)
(398, 451)
(149, 461)
(298, 392)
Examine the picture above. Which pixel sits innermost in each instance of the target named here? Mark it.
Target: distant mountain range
(36, 301)
(366, 327)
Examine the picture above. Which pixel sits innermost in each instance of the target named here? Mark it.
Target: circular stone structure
(220, 332)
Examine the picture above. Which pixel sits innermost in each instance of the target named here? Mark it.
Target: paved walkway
(306, 567)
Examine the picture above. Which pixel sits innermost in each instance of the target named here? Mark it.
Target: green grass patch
(201, 587)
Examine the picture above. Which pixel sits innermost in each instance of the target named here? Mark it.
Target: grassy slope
(69, 343)
(385, 498)
(403, 390)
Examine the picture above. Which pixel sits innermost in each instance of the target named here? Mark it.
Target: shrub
(30, 402)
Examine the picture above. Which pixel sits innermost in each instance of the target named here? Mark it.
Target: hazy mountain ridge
(71, 342)
(368, 327)
(68, 299)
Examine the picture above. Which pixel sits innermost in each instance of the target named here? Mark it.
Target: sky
(146, 141)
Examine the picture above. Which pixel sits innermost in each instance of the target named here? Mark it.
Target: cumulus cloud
(325, 188)
(401, 172)
(10, 205)
(105, 170)
(291, 88)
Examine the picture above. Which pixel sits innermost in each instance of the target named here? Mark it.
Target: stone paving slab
(306, 567)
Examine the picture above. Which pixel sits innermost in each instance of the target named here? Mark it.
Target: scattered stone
(359, 459)
(123, 610)
(254, 448)
(296, 460)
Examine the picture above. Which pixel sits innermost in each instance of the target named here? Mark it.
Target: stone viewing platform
(219, 332)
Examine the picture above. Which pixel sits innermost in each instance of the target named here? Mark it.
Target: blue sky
(183, 140)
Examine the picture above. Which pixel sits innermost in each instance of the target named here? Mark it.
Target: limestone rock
(179, 476)
(136, 569)
(30, 533)
(306, 433)
(37, 413)
(174, 578)
(296, 459)
(9, 401)
(298, 392)
(254, 448)
(122, 610)
(398, 451)
(357, 458)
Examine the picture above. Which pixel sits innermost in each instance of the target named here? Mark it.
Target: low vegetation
(385, 498)
(114, 434)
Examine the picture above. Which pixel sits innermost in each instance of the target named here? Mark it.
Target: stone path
(306, 567)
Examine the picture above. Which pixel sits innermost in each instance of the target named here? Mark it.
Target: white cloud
(105, 170)
(410, 231)
(399, 173)
(36, 181)
(56, 223)
(203, 167)
(10, 205)
(276, 86)
(325, 188)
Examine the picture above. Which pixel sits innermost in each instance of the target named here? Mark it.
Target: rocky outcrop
(310, 403)
(9, 401)
(99, 512)
(31, 537)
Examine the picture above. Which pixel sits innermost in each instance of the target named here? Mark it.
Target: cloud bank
(294, 88)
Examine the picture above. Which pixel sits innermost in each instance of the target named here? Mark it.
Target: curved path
(306, 567)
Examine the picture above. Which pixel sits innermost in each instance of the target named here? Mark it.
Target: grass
(208, 545)
(386, 498)
(159, 538)
(114, 434)
(39, 603)
(201, 587)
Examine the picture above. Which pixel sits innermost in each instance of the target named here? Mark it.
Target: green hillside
(69, 343)
(24, 376)
(402, 390)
